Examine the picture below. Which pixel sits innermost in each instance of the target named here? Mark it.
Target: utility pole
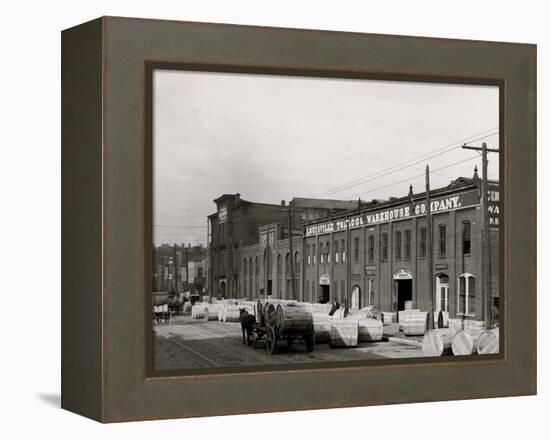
(176, 267)
(485, 244)
(292, 289)
(429, 248)
(187, 266)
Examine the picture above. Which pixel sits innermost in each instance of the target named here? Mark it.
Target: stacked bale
(197, 311)
(211, 312)
(323, 309)
(231, 313)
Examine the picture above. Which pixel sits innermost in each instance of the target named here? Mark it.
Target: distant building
(236, 225)
(170, 267)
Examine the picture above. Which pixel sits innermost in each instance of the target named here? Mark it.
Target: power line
(407, 164)
(408, 179)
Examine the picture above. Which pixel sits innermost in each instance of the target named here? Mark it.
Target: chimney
(237, 197)
(283, 203)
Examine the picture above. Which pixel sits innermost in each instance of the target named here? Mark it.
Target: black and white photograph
(302, 219)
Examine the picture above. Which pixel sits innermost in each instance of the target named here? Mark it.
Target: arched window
(287, 265)
(296, 264)
(335, 250)
(466, 294)
(279, 264)
(327, 252)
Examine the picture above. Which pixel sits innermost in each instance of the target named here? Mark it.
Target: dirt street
(187, 343)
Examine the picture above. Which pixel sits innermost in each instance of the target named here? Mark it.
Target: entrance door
(325, 294)
(355, 294)
(404, 293)
(442, 297)
(222, 289)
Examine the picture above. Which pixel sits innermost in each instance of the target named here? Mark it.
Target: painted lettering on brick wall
(397, 213)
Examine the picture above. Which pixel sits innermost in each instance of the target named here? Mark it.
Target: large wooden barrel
(369, 330)
(438, 342)
(343, 333)
(465, 342)
(415, 323)
(488, 342)
(293, 318)
(321, 326)
(402, 315)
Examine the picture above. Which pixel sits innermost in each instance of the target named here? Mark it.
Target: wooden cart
(283, 322)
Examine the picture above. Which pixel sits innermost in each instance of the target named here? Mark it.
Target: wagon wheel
(289, 341)
(310, 342)
(271, 340)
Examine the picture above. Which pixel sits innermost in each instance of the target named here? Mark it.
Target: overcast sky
(271, 138)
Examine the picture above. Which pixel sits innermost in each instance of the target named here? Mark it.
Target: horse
(247, 322)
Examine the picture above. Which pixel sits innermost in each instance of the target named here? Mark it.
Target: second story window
(335, 249)
(371, 248)
(314, 253)
(398, 245)
(407, 244)
(343, 243)
(422, 250)
(384, 246)
(356, 250)
(466, 238)
(442, 240)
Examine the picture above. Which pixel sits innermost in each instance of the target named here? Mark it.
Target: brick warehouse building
(377, 255)
(237, 229)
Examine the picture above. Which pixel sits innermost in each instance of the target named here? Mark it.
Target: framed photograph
(319, 219)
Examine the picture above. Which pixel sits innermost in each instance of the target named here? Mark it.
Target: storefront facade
(378, 255)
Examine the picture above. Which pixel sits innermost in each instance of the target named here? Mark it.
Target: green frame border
(126, 390)
(152, 66)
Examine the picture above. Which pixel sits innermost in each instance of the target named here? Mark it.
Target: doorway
(222, 289)
(355, 294)
(442, 295)
(404, 293)
(324, 297)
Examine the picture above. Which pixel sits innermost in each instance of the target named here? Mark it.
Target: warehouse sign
(450, 203)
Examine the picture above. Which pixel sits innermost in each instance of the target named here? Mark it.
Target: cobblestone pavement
(187, 343)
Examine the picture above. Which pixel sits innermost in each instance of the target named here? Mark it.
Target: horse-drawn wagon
(279, 320)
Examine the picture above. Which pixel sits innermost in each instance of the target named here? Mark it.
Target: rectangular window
(308, 255)
(343, 251)
(442, 240)
(314, 252)
(407, 245)
(471, 296)
(398, 245)
(466, 238)
(356, 250)
(371, 248)
(384, 246)
(422, 242)
(461, 294)
(335, 249)
(466, 295)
